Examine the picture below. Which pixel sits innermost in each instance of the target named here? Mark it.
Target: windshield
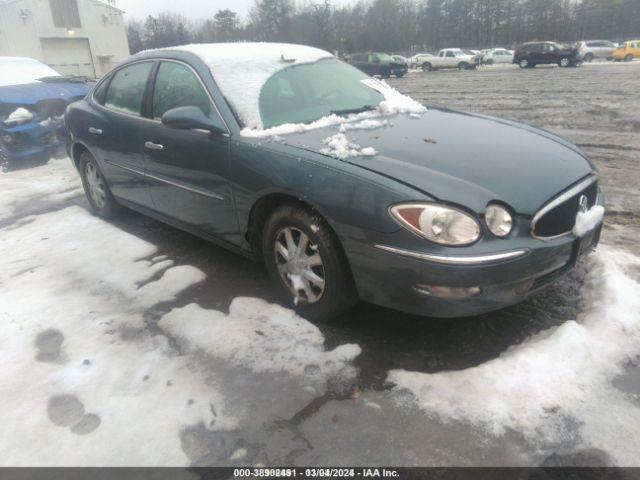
(23, 70)
(306, 92)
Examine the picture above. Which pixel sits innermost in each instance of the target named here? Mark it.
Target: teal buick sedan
(346, 189)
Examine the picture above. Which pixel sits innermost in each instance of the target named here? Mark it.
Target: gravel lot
(132, 343)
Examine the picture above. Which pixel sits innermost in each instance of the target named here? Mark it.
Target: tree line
(398, 25)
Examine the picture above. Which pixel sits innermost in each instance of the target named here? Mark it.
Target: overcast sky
(192, 9)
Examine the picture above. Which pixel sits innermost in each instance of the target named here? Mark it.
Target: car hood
(32, 93)
(465, 159)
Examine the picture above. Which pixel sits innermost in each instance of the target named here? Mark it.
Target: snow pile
(340, 147)
(367, 124)
(562, 375)
(260, 336)
(19, 116)
(396, 103)
(19, 70)
(587, 221)
(241, 70)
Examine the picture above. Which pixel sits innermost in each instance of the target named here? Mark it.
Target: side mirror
(190, 118)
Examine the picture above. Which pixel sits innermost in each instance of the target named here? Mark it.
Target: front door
(188, 170)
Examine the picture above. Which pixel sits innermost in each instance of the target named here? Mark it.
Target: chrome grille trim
(560, 199)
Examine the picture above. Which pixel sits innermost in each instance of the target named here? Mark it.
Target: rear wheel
(96, 189)
(463, 66)
(628, 58)
(489, 62)
(305, 260)
(399, 75)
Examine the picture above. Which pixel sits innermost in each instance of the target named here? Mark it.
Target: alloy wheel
(96, 185)
(299, 264)
(524, 63)
(564, 62)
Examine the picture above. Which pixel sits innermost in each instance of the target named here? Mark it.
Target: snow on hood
(241, 69)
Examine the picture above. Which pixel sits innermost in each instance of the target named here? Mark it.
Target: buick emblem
(583, 203)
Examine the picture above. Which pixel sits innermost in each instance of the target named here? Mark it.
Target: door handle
(153, 146)
(95, 131)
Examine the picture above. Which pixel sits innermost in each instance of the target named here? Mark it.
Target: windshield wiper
(347, 111)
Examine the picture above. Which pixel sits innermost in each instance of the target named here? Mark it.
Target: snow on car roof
(241, 70)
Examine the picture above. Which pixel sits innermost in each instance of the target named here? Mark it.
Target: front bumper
(31, 140)
(393, 277)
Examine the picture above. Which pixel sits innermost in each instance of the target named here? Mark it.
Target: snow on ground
(88, 377)
(558, 378)
(33, 188)
(262, 336)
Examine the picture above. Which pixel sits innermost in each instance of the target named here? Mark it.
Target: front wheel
(305, 260)
(588, 57)
(564, 62)
(628, 58)
(399, 75)
(427, 67)
(524, 63)
(463, 66)
(96, 189)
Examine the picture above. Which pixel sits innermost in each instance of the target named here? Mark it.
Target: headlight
(438, 223)
(19, 116)
(499, 220)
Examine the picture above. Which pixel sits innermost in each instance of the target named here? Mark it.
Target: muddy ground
(358, 415)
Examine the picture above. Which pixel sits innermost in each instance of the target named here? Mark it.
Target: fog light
(448, 292)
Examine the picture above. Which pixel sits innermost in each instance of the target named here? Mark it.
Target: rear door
(187, 170)
(116, 129)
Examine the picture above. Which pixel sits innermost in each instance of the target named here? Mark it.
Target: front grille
(560, 219)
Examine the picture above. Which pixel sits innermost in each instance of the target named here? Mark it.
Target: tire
(588, 57)
(427, 67)
(489, 62)
(385, 73)
(524, 63)
(103, 205)
(399, 75)
(327, 299)
(628, 58)
(463, 66)
(564, 62)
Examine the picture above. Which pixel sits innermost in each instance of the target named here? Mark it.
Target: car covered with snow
(452, 58)
(344, 188)
(33, 98)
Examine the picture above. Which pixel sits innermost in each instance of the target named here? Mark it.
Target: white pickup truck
(452, 58)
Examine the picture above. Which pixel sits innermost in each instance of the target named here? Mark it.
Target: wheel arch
(77, 149)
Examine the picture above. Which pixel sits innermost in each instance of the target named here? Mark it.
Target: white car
(451, 58)
(418, 59)
(497, 55)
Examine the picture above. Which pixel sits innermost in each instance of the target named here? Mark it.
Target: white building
(75, 37)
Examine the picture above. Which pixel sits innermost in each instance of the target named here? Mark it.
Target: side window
(177, 86)
(450, 54)
(100, 91)
(127, 88)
